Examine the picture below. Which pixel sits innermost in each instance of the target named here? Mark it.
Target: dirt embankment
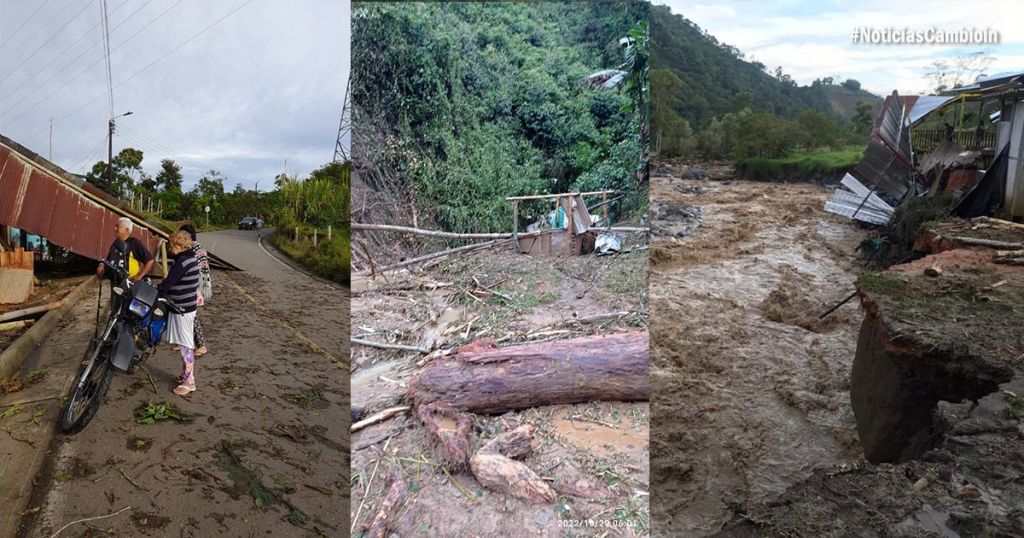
(594, 455)
(937, 388)
(750, 388)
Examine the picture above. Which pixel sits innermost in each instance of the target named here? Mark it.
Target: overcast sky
(263, 86)
(812, 39)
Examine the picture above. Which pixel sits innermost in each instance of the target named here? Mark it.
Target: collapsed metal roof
(884, 176)
(925, 104)
(41, 198)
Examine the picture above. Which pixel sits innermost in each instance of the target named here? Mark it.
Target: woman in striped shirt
(203, 258)
(180, 288)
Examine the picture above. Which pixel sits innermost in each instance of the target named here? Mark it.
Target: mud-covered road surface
(266, 450)
(750, 391)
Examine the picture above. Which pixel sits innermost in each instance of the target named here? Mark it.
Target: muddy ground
(264, 447)
(750, 389)
(602, 446)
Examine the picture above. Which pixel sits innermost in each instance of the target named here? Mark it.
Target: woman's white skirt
(181, 329)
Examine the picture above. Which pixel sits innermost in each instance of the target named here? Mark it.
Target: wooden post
(604, 201)
(328, 232)
(314, 237)
(296, 233)
(163, 254)
(515, 218)
(568, 220)
(515, 224)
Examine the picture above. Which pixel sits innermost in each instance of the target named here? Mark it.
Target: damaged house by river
(967, 143)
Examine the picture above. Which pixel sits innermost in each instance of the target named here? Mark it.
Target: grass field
(816, 165)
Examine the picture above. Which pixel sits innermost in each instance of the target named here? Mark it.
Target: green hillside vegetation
(459, 105)
(710, 102)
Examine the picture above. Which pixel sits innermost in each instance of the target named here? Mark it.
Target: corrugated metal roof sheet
(925, 104)
(39, 197)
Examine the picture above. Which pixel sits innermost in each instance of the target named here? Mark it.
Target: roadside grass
(328, 259)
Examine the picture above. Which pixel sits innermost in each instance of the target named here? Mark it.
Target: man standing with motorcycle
(136, 258)
(181, 288)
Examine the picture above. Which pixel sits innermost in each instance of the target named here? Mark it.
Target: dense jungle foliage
(459, 105)
(711, 102)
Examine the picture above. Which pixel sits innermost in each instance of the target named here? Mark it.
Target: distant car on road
(249, 223)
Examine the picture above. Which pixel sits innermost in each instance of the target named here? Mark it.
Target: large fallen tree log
(483, 379)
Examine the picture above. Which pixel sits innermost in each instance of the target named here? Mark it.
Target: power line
(23, 24)
(47, 42)
(171, 153)
(106, 49)
(71, 46)
(88, 156)
(84, 71)
(166, 153)
(154, 62)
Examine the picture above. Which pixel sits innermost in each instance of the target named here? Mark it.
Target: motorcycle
(138, 317)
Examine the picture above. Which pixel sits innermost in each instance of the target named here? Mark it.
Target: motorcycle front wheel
(87, 393)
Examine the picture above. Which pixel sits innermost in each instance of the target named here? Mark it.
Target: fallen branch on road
(89, 519)
(26, 402)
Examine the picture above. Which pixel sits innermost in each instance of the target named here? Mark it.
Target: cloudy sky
(250, 88)
(812, 39)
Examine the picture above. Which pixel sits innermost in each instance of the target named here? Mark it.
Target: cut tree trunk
(483, 379)
(451, 429)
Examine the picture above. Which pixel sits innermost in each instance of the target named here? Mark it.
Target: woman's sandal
(182, 390)
(201, 351)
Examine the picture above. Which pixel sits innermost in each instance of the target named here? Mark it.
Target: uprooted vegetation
(591, 456)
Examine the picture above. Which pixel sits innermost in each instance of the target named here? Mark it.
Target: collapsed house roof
(43, 199)
(996, 82)
(884, 176)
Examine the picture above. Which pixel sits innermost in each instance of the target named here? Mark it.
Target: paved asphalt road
(266, 451)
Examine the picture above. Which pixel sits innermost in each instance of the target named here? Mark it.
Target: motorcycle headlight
(139, 308)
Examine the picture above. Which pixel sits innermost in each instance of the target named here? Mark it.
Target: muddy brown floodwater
(266, 453)
(750, 390)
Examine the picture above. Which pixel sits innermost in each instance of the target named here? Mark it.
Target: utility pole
(51, 139)
(110, 148)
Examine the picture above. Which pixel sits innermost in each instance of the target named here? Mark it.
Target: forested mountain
(705, 78)
(458, 105)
